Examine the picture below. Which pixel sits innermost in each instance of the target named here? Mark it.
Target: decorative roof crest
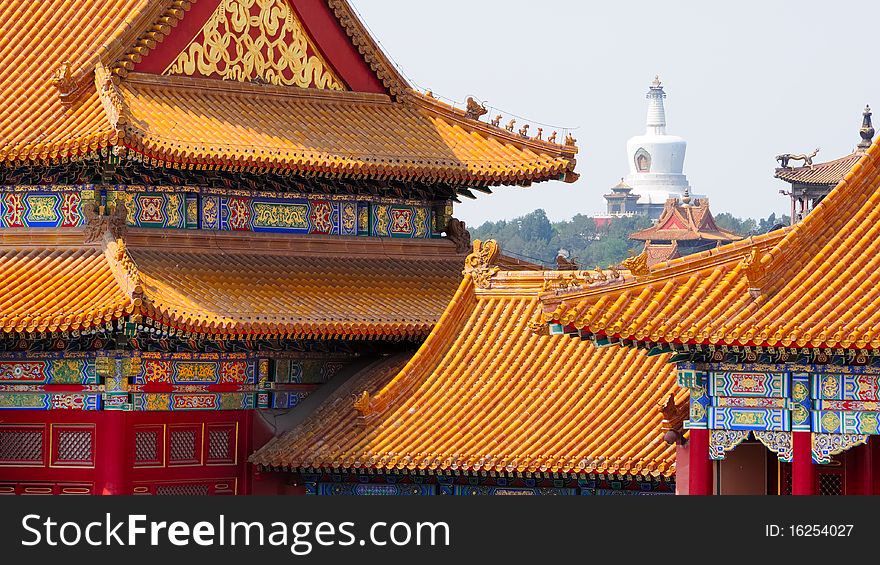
(637, 265)
(98, 223)
(479, 264)
(63, 80)
(362, 403)
(754, 271)
(457, 233)
(475, 109)
(867, 130)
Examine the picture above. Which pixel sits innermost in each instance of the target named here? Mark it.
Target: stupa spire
(656, 123)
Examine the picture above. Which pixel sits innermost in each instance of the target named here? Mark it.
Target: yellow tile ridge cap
(201, 85)
(124, 270)
(444, 332)
(436, 108)
(124, 39)
(366, 45)
(729, 255)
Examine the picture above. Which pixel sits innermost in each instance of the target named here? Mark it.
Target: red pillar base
(699, 464)
(111, 479)
(803, 480)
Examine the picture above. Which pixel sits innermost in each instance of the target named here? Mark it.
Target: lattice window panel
(74, 446)
(183, 446)
(183, 490)
(220, 446)
(21, 445)
(146, 446)
(830, 484)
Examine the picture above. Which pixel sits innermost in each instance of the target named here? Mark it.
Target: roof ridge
(124, 269)
(815, 222)
(345, 391)
(368, 47)
(437, 107)
(202, 84)
(448, 327)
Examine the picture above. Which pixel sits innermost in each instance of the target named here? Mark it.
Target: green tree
(534, 238)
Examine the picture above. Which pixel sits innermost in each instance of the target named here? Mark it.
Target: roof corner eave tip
(570, 177)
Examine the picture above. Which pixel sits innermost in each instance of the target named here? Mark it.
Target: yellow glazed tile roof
(227, 285)
(485, 393)
(211, 123)
(252, 285)
(812, 285)
(37, 38)
(95, 103)
(63, 287)
(820, 173)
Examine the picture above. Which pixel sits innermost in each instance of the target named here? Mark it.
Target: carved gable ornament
(479, 264)
(754, 271)
(638, 265)
(255, 41)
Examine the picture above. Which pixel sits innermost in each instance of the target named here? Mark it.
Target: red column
(874, 457)
(699, 464)
(852, 467)
(802, 479)
(867, 468)
(112, 456)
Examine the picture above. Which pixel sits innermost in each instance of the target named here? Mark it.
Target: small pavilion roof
(683, 222)
(821, 174)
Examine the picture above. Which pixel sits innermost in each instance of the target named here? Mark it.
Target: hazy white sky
(745, 80)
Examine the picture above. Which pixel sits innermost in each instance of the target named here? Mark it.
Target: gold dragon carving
(479, 263)
(754, 270)
(362, 403)
(638, 265)
(255, 40)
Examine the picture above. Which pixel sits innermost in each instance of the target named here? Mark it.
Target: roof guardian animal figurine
(807, 159)
(475, 109)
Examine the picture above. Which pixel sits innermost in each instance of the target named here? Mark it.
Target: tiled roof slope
(209, 122)
(203, 123)
(274, 286)
(227, 285)
(37, 38)
(821, 173)
(812, 285)
(485, 393)
(61, 287)
(661, 252)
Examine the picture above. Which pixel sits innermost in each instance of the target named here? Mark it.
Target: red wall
(115, 452)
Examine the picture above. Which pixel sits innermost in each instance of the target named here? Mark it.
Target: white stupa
(656, 159)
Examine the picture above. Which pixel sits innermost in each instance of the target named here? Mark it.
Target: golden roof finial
(754, 271)
(479, 264)
(638, 265)
(63, 80)
(362, 403)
